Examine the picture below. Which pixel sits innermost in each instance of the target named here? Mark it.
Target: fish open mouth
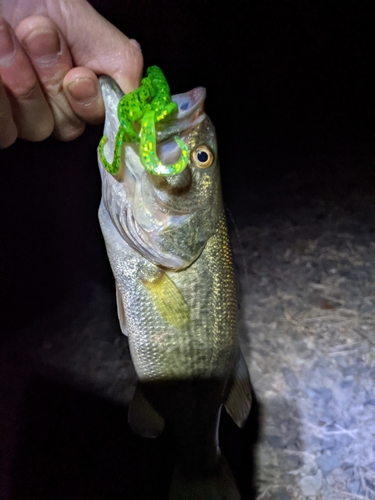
(148, 209)
(190, 114)
(168, 150)
(189, 102)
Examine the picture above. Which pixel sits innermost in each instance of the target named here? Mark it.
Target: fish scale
(202, 349)
(168, 246)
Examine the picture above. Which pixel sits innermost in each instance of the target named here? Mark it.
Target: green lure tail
(114, 167)
(147, 150)
(148, 104)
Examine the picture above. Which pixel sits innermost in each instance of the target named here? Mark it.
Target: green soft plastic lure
(149, 104)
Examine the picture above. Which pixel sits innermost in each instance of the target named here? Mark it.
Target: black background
(290, 87)
(288, 82)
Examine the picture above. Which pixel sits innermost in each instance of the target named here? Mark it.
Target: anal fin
(238, 401)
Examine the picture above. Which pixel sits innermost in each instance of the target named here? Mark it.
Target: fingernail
(43, 47)
(7, 46)
(83, 90)
(135, 43)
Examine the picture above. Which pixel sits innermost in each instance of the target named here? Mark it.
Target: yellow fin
(168, 300)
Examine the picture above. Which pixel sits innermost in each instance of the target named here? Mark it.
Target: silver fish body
(168, 246)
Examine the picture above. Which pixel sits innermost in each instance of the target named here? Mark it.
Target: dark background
(290, 85)
(291, 92)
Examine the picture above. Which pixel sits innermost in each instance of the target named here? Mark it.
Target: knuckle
(4, 117)
(53, 85)
(27, 93)
(137, 57)
(137, 61)
(67, 134)
(93, 114)
(36, 127)
(95, 119)
(7, 139)
(8, 129)
(41, 133)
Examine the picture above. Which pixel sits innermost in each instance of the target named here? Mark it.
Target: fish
(167, 242)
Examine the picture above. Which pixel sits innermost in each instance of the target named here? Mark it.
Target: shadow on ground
(75, 446)
(66, 431)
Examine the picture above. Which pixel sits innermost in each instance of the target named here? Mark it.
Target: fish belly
(206, 346)
(183, 372)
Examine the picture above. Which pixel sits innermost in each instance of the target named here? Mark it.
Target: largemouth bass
(164, 227)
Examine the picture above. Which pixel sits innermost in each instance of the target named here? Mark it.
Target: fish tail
(215, 484)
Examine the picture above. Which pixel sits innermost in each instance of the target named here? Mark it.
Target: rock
(370, 485)
(353, 486)
(289, 377)
(279, 495)
(329, 461)
(310, 485)
(346, 440)
(320, 393)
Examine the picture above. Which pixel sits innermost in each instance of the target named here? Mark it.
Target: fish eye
(202, 157)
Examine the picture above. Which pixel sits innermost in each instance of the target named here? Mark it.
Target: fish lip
(184, 119)
(196, 96)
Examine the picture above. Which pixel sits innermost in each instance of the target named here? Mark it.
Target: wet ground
(308, 331)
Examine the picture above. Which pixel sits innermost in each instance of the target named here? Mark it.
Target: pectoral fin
(238, 402)
(168, 300)
(142, 417)
(120, 311)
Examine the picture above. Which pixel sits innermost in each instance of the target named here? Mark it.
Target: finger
(8, 133)
(31, 113)
(51, 59)
(101, 47)
(83, 92)
(95, 43)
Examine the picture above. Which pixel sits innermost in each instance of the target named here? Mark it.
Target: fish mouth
(168, 150)
(190, 101)
(190, 113)
(132, 198)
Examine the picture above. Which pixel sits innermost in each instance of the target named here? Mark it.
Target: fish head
(168, 219)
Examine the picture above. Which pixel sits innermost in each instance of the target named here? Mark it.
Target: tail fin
(218, 484)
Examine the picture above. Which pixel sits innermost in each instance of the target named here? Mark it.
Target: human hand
(51, 53)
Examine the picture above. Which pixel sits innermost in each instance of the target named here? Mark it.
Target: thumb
(98, 45)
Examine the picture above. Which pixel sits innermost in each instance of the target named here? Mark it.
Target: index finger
(93, 41)
(8, 133)
(101, 47)
(30, 110)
